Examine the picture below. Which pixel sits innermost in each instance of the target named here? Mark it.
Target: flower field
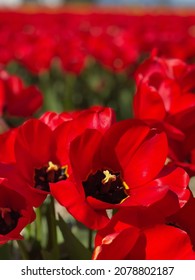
(97, 134)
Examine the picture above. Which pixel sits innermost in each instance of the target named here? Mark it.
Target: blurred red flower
(114, 47)
(165, 95)
(16, 99)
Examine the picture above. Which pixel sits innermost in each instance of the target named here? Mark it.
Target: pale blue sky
(111, 2)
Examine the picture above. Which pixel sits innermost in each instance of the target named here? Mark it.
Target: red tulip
(118, 169)
(165, 95)
(15, 213)
(164, 91)
(38, 151)
(97, 117)
(34, 49)
(133, 234)
(115, 48)
(16, 99)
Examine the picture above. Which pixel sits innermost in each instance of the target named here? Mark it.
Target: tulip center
(50, 173)
(8, 220)
(106, 186)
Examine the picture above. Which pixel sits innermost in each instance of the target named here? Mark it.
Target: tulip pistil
(106, 186)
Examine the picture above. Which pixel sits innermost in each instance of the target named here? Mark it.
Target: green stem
(51, 101)
(90, 239)
(23, 250)
(39, 232)
(28, 232)
(53, 225)
(69, 84)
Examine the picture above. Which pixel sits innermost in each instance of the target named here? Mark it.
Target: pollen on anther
(52, 166)
(108, 177)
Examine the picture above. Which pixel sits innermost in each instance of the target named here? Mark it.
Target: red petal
(174, 179)
(117, 245)
(97, 117)
(53, 120)
(183, 103)
(167, 243)
(3, 101)
(184, 218)
(9, 198)
(63, 135)
(7, 142)
(148, 104)
(83, 151)
(173, 132)
(169, 91)
(26, 103)
(147, 160)
(15, 182)
(183, 113)
(33, 146)
(73, 198)
(121, 141)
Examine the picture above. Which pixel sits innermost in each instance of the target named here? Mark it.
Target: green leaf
(75, 249)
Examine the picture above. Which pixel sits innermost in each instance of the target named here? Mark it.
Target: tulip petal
(33, 147)
(146, 162)
(167, 243)
(117, 245)
(83, 151)
(70, 196)
(148, 104)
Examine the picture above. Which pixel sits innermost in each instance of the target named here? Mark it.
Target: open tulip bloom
(15, 213)
(122, 168)
(37, 151)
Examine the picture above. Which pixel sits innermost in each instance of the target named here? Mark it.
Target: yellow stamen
(65, 169)
(108, 177)
(52, 167)
(167, 161)
(125, 186)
